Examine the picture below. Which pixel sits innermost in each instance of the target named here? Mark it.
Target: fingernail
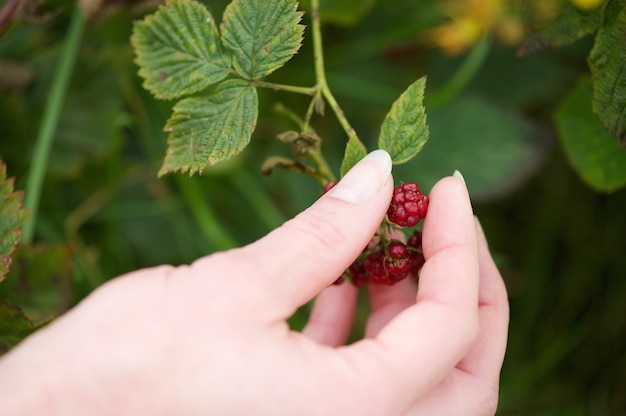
(479, 229)
(478, 224)
(457, 174)
(365, 179)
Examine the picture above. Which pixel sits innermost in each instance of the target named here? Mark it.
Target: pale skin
(212, 338)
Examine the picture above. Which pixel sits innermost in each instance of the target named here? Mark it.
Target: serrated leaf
(261, 35)
(210, 128)
(595, 155)
(404, 131)
(608, 63)
(40, 280)
(569, 25)
(355, 151)
(12, 218)
(178, 50)
(14, 326)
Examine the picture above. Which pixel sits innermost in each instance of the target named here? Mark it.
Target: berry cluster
(388, 261)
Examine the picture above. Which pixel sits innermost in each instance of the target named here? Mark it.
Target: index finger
(423, 344)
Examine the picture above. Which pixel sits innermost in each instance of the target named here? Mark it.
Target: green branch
(52, 113)
(288, 88)
(320, 73)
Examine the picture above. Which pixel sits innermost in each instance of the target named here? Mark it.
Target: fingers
(386, 302)
(422, 344)
(486, 357)
(332, 316)
(296, 261)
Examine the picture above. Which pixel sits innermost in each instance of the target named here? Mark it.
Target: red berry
(415, 252)
(415, 241)
(398, 261)
(384, 269)
(408, 205)
(339, 281)
(330, 185)
(396, 249)
(357, 273)
(374, 267)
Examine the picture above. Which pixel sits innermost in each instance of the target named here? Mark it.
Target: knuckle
(317, 228)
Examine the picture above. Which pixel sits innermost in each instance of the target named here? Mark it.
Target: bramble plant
(525, 97)
(215, 72)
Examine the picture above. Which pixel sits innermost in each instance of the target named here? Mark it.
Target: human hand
(212, 337)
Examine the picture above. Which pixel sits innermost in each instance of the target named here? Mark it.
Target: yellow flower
(470, 19)
(587, 5)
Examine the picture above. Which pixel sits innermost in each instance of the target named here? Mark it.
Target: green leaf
(355, 151)
(14, 326)
(12, 218)
(569, 25)
(178, 50)
(595, 155)
(210, 128)
(261, 35)
(608, 65)
(40, 280)
(404, 131)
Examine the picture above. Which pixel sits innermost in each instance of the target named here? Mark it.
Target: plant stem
(322, 165)
(52, 113)
(468, 69)
(283, 87)
(320, 73)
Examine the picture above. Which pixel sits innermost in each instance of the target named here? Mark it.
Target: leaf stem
(322, 165)
(283, 87)
(320, 74)
(51, 116)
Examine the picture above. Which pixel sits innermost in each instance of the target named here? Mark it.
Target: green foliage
(404, 131)
(211, 127)
(592, 151)
(607, 61)
(178, 50)
(104, 210)
(40, 281)
(355, 151)
(12, 218)
(261, 36)
(570, 25)
(493, 147)
(343, 12)
(14, 326)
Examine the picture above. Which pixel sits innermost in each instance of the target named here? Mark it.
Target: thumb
(309, 252)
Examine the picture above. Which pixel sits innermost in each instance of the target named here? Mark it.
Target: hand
(212, 337)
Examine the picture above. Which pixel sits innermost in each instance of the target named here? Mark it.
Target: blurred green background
(561, 246)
